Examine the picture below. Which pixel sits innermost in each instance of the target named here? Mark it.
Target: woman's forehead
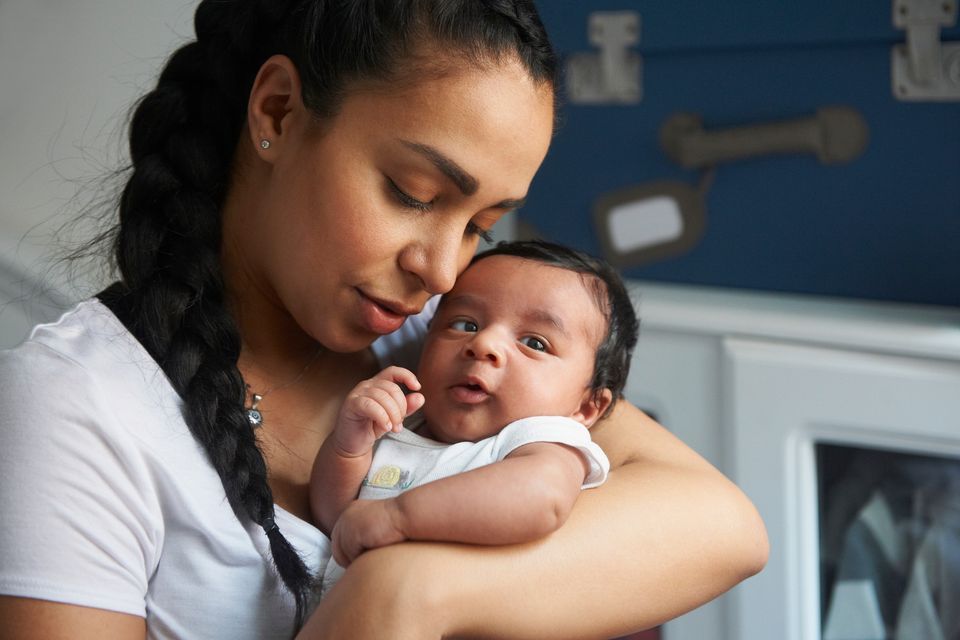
(483, 102)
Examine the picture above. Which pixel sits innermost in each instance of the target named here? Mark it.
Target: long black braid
(171, 294)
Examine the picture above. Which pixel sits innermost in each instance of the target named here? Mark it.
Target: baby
(528, 350)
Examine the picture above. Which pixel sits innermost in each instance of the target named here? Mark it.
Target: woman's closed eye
(406, 199)
(474, 229)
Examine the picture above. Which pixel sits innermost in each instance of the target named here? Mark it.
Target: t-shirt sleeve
(80, 520)
(562, 431)
(402, 347)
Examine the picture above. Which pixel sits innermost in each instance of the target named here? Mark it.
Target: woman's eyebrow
(465, 182)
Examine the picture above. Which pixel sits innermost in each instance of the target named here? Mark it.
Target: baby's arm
(521, 498)
(371, 409)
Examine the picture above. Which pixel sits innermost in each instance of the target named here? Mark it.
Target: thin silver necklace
(254, 416)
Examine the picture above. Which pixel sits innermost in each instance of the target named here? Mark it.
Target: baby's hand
(365, 525)
(373, 408)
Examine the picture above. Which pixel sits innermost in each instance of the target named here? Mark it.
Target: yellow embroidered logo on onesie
(386, 477)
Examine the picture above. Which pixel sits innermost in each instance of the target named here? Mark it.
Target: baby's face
(514, 338)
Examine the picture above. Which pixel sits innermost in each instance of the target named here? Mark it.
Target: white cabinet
(755, 381)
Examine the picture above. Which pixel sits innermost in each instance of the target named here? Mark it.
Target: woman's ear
(592, 406)
(274, 105)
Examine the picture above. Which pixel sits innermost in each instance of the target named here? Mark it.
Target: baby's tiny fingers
(414, 402)
(400, 375)
(372, 410)
(398, 400)
(387, 398)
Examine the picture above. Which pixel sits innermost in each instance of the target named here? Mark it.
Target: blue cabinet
(884, 227)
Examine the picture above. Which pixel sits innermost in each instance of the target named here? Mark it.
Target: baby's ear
(592, 406)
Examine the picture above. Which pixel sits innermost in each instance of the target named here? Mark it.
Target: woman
(306, 176)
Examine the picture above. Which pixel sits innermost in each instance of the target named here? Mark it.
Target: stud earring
(264, 143)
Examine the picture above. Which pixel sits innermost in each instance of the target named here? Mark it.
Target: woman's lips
(380, 317)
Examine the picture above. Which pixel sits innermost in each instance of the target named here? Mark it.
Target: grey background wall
(68, 73)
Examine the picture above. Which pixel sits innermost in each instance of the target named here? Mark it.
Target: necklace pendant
(253, 413)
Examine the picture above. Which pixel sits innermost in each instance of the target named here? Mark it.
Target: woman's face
(361, 220)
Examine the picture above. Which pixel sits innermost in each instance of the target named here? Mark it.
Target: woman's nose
(484, 346)
(438, 260)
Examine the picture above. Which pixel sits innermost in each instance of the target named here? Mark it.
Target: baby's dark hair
(183, 138)
(612, 361)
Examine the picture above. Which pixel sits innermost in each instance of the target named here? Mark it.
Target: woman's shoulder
(60, 436)
(83, 369)
(85, 349)
(109, 486)
(84, 335)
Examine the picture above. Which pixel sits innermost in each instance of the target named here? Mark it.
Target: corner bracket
(924, 68)
(612, 76)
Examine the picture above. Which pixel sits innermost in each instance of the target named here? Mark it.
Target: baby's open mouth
(469, 392)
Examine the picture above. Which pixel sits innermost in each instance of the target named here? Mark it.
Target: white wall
(69, 70)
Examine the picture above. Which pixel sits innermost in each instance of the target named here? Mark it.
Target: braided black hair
(183, 134)
(612, 360)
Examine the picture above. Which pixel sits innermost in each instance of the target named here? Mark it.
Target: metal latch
(924, 68)
(613, 74)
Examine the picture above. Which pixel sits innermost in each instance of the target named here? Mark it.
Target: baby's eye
(534, 343)
(464, 325)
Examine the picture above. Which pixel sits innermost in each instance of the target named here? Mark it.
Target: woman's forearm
(665, 534)
(612, 569)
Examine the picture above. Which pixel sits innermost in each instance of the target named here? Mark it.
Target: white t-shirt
(108, 501)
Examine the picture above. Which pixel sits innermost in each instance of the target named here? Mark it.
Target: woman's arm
(666, 533)
(28, 619)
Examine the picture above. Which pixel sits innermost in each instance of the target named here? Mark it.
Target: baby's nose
(485, 346)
